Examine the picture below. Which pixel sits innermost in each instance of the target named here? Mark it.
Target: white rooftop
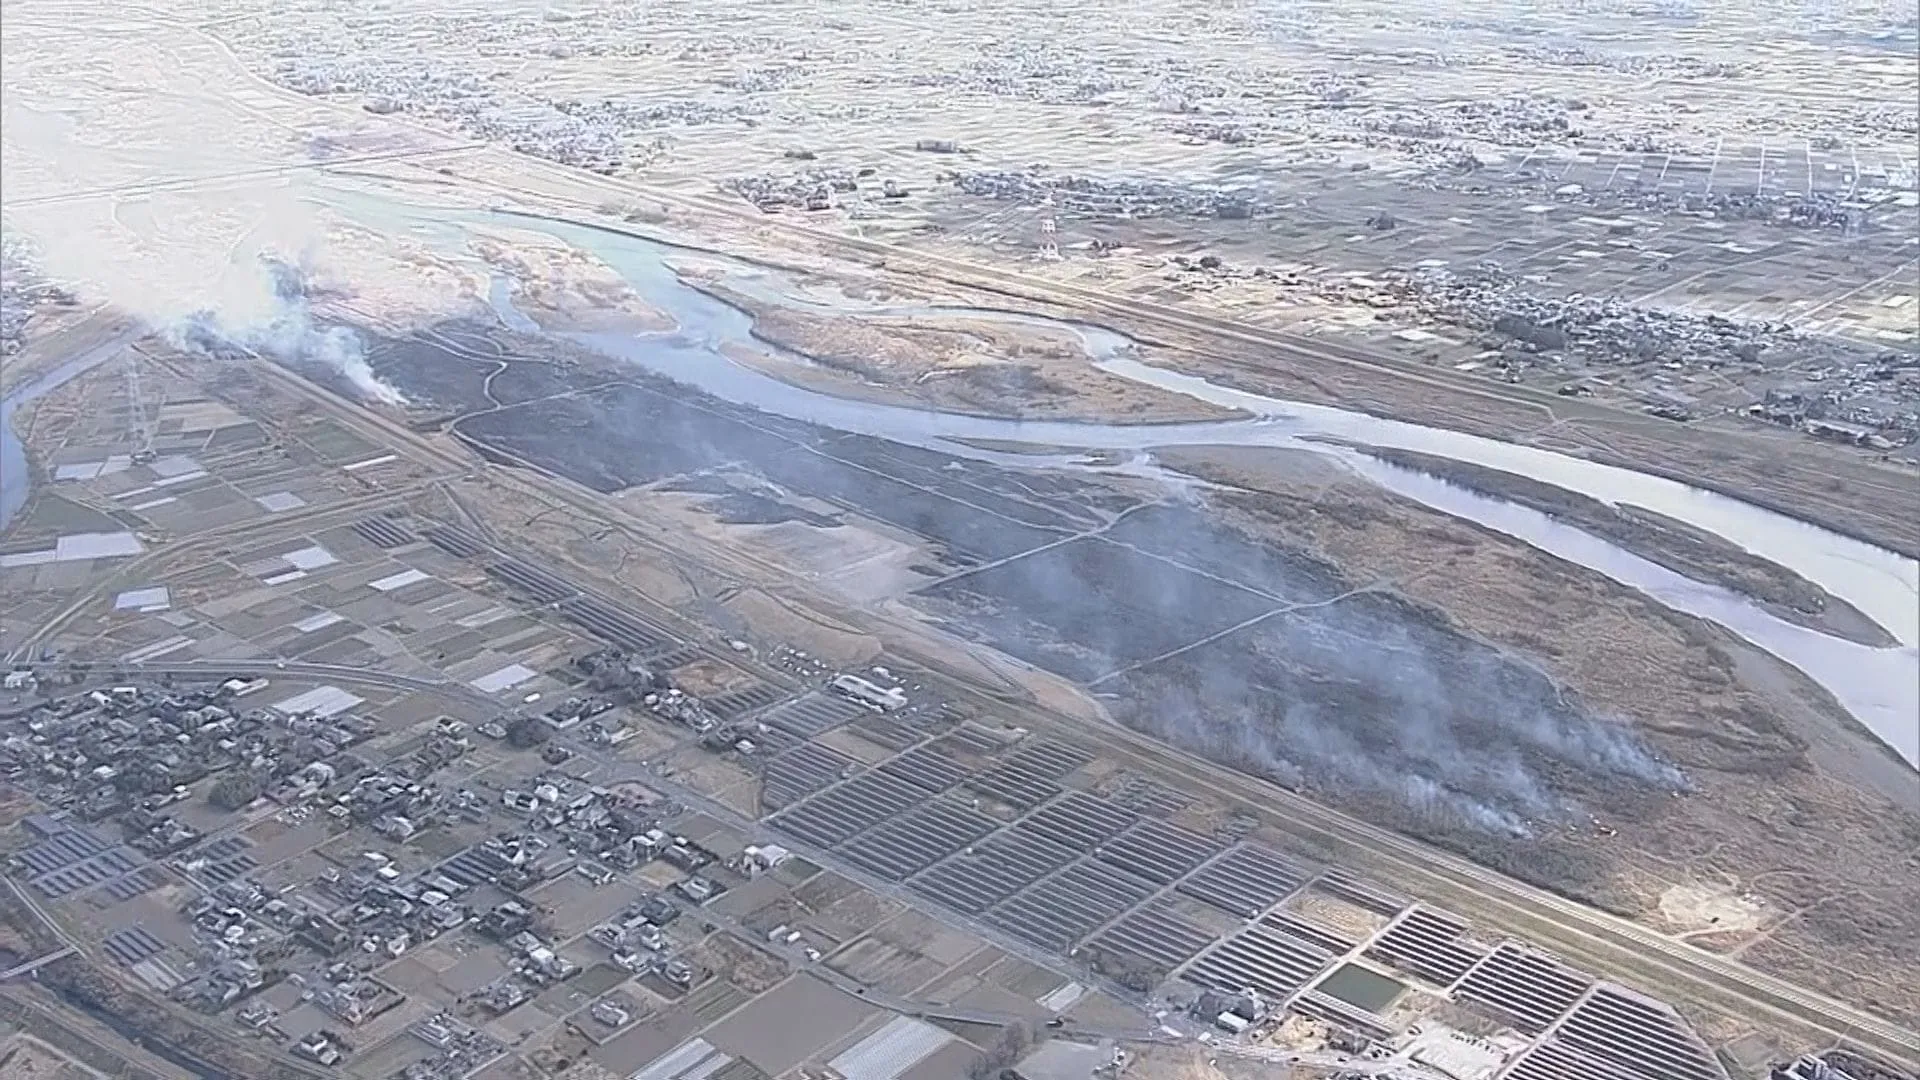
(321, 701)
(505, 679)
(152, 599)
(318, 622)
(399, 581)
(108, 545)
(278, 501)
(903, 1043)
(310, 558)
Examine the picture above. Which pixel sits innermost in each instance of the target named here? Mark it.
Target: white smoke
(199, 264)
(281, 326)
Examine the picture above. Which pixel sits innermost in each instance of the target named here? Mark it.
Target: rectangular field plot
(737, 703)
(800, 772)
(455, 542)
(1636, 1037)
(813, 713)
(1427, 943)
(836, 815)
(534, 582)
(1530, 989)
(924, 767)
(1027, 777)
(999, 866)
(1157, 851)
(1078, 820)
(382, 532)
(1317, 936)
(609, 623)
(1273, 963)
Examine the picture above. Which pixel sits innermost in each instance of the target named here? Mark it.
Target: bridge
(36, 964)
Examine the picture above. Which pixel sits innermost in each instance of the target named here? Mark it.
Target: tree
(235, 790)
(525, 732)
(1012, 1045)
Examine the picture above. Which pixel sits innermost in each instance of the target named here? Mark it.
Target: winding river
(1879, 686)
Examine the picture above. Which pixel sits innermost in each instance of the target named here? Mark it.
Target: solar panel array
(615, 625)
(74, 858)
(1263, 958)
(735, 704)
(918, 838)
(1157, 936)
(1614, 1034)
(88, 872)
(1027, 777)
(474, 866)
(837, 814)
(993, 870)
(1063, 908)
(130, 885)
(799, 772)
(1427, 943)
(1110, 877)
(61, 849)
(1158, 851)
(456, 542)
(536, 583)
(382, 532)
(1338, 883)
(812, 714)
(131, 946)
(1245, 881)
(1530, 989)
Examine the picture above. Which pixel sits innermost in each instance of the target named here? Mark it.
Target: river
(1880, 687)
(16, 475)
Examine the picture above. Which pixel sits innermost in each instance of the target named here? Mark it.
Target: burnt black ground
(1250, 653)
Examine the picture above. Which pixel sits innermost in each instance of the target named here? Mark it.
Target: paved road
(37, 963)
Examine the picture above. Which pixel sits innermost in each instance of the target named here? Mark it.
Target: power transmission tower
(1049, 230)
(140, 426)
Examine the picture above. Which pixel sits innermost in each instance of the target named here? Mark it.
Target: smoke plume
(1450, 730)
(283, 329)
(209, 266)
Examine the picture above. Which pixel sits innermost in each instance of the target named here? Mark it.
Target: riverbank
(1696, 553)
(94, 347)
(974, 366)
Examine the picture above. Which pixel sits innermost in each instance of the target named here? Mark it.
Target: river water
(1879, 686)
(16, 478)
